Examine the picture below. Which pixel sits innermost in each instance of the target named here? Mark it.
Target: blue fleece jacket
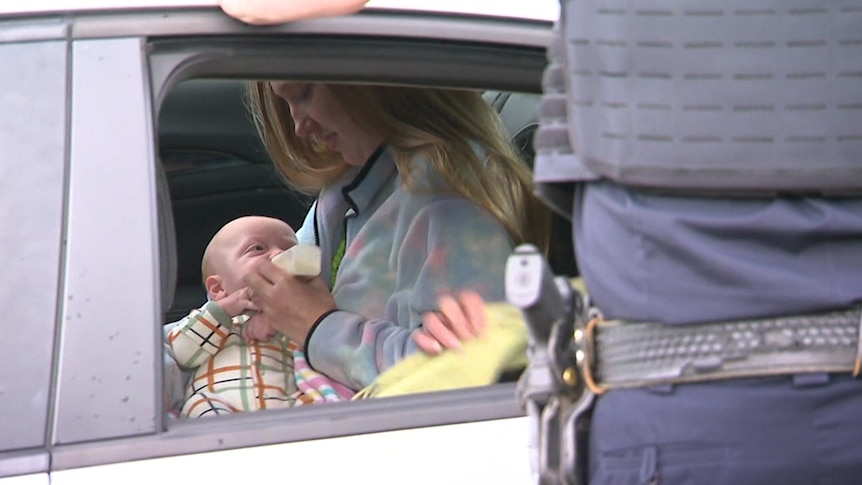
(404, 247)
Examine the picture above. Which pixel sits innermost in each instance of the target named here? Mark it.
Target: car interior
(217, 170)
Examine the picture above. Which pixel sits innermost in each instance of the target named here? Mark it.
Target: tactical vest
(727, 97)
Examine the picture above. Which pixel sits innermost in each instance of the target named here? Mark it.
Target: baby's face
(247, 241)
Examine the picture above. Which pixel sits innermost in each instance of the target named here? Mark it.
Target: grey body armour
(705, 97)
(672, 108)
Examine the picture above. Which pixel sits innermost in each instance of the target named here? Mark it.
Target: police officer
(709, 154)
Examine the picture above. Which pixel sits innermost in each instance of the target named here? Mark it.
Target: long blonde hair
(442, 124)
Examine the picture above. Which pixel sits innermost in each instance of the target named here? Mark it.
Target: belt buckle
(857, 365)
(586, 353)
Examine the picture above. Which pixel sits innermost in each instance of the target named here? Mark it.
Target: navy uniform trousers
(687, 260)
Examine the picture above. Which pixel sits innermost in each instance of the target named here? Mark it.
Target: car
(125, 144)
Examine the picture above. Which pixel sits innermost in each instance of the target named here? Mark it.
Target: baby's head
(237, 247)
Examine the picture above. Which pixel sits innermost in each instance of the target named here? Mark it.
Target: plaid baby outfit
(232, 375)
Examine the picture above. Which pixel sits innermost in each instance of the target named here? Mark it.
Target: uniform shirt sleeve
(199, 335)
(446, 247)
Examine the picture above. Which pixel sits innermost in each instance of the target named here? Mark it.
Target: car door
(105, 271)
(33, 128)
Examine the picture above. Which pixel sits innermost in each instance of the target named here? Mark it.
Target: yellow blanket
(479, 362)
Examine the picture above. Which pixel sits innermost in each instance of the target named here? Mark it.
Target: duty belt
(574, 356)
(626, 355)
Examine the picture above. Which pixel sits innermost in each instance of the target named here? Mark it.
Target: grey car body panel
(106, 382)
(210, 22)
(32, 143)
(301, 424)
(38, 30)
(106, 403)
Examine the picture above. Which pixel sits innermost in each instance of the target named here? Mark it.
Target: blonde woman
(419, 193)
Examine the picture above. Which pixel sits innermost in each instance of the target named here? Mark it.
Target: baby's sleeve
(199, 335)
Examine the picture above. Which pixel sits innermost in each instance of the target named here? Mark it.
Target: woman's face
(315, 112)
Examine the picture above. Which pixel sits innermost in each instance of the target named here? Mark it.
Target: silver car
(124, 144)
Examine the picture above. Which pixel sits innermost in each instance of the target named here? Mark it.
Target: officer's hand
(263, 12)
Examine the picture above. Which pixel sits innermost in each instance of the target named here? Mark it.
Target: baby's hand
(237, 303)
(257, 329)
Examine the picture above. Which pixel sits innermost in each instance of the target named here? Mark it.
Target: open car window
(217, 170)
(240, 173)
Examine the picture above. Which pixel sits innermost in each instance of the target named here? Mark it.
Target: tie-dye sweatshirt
(404, 248)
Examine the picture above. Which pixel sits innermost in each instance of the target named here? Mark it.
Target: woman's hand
(257, 330)
(458, 320)
(288, 303)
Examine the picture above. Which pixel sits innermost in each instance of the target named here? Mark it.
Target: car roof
(533, 10)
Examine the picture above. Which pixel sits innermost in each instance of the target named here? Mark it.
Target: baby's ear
(214, 287)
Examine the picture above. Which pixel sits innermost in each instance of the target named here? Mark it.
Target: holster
(552, 388)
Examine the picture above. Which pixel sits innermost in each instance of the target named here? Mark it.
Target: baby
(238, 367)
